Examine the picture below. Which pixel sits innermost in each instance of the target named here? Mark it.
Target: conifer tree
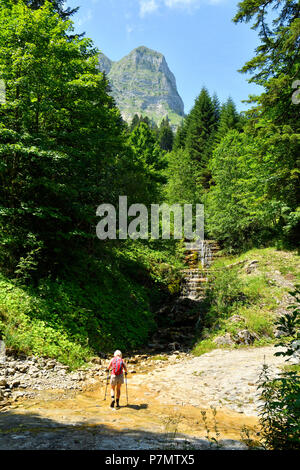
(147, 153)
(201, 126)
(165, 135)
(58, 7)
(217, 107)
(229, 119)
(135, 122)
(180, 136)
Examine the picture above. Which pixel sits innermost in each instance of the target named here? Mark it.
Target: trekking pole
(126, 388)
(106, 385)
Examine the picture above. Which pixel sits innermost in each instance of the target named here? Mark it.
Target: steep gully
(178, 319)
(168, 393)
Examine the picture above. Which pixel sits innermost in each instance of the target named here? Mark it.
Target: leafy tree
(61, 138)
(238, 212)
(280, 411)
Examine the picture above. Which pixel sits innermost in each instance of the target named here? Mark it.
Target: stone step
(196, 289)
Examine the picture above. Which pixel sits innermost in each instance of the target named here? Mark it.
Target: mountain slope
(142, 83)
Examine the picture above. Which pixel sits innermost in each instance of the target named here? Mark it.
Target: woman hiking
(117, 365)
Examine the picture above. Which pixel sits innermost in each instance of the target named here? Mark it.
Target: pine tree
(229, 119)
(180, 136)
(58, 5)
(147, 153)
(135, 122)
(217, 107)
(201, 126)
(165, 135)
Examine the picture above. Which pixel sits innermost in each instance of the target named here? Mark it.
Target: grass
(104, 306)
(254, 299)
(159, 358)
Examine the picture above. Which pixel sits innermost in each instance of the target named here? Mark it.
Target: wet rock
(16, 383)
(96, 360)
(132, 360)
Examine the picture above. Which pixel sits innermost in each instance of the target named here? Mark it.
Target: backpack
(117, 366)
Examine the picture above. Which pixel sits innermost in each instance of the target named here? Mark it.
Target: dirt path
(165, 407)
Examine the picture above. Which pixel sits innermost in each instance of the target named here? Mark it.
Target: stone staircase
(198, 257)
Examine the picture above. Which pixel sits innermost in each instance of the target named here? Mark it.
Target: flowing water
(2, 351)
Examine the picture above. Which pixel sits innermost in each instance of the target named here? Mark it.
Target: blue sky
(202, 46)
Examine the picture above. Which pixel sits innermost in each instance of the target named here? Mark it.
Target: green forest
(65, 149)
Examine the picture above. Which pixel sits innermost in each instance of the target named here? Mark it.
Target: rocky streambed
(175, 401)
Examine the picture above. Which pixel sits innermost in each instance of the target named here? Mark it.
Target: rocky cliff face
(142, 83)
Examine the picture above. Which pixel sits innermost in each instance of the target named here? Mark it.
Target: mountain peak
(146, 50)
(143, 84)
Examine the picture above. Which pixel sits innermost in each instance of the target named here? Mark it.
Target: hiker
(116, 365)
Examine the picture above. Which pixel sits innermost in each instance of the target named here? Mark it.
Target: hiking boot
(117, 404)
(112, 403)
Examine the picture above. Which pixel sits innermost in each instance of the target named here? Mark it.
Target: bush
(280, 412)
(225, 291)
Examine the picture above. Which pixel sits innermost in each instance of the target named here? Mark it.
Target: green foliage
(68, 316)
(225, 291)
(240, 206)
(204, 346)
(251, 299)
(229, 119)
(165, 136)
(59, 130)
(200, 133)
(58, 6)
(275, 118)
(181, 171)
(148, 154)
(280, 412)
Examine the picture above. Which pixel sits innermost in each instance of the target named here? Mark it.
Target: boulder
(251, 266)
(236, 319)
(225, 340)
(245, 337)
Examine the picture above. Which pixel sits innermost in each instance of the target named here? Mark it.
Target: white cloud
(149, 6)
(175, 3)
